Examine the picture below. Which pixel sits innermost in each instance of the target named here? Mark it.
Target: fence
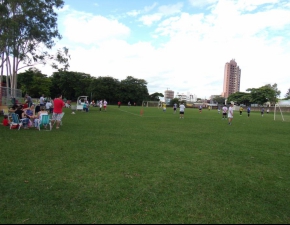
(10, 96)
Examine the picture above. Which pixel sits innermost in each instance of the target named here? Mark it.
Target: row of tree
(267, 93)
(74, 84)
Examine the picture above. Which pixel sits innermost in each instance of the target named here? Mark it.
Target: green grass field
(120, 167)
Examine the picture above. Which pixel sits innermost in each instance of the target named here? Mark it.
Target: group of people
(31, 117)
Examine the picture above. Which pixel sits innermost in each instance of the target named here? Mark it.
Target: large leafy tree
(28, 29)
(219, 99)
(105, 88)
(34, 83)
(133, 90)
(262, 95)
(70, 84)
(240, 98)
(155, 96)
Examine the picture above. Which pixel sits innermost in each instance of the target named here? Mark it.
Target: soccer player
(225, 110)
(181, 111)
(174, 108)
(262, 111)
(231, 113)
(249, 111)
(105, 105)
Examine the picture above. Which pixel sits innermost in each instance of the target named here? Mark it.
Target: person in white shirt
(48, 105)
(225, 110)
(231, 113)
(181, 110)
(41, 100)
(101, 105)
(105, 104)
(174, 108)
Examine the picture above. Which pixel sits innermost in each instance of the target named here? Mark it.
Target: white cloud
(201, 3)
(89, 29)
(196, 49)
(149, 19)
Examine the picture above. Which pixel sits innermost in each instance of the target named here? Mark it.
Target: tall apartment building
(232, 78)
(168, 96)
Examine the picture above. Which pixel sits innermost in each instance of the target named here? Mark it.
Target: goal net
(278, 114)
(151, 104)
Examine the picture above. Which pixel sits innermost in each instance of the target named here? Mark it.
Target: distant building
(168, 96)
(186, 97)
(232, 78)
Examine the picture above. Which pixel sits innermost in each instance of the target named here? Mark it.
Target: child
(5, 121)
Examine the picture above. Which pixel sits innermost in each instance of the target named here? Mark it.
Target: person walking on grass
(181, 111)
(174, 108)
(101, 105)
(262, 111)
(241, 110)
(105, 105)
(231, 113)
(249, 111)
(57, 111)
(225, 110)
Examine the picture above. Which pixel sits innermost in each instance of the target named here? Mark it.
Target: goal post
(275, 109)
(156, 104)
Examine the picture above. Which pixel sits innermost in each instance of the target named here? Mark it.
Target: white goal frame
(277, 105)
(156, 104)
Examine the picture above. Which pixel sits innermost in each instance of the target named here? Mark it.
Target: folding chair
(16, 121)
(44, 121)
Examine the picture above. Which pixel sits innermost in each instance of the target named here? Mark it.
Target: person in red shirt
(57, 111)
(119, 104)
(5, 121)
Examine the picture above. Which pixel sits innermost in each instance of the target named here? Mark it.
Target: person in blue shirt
(249, 111)
(85, 107)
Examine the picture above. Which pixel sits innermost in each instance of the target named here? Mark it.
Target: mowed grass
(121, 167)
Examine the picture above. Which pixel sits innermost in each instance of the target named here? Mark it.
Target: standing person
(174, 108)
(262, 111)
(181, 111)
(164, 107)
(231, 113)
(41, 100)
(249, 111)
(28, 100)
(241, 110)
(119, 104)
(225, 110)
(219, 110)
(101, 105)
(268, 111)
(105, 105)
(48, 105)
(85, 107)
(57, 111)
(200, 109)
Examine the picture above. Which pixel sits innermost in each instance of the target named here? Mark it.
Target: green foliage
(133, 90)
(155, 96)
(173, 101)
(105, 88)
(287, 95)
(34, 83)
(219, 99)
(262, 95)
(26, 25)
(240, 98)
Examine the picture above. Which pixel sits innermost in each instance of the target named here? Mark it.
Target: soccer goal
(156, 104)
(282, 108)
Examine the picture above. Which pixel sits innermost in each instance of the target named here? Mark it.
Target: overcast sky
(179, 45)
